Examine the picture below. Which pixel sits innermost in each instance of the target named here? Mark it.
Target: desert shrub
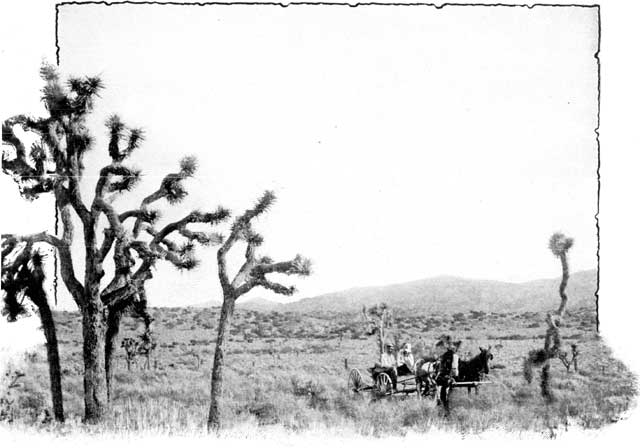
(31, 404)
(535, 358)
(313, 390)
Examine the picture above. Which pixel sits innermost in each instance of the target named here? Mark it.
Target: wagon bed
(408, 384)
(382, 385)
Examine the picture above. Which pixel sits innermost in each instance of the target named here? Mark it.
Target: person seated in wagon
(388, 364)
(405, 361)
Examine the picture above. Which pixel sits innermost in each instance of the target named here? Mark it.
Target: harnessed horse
(441, 373)
(475, 368)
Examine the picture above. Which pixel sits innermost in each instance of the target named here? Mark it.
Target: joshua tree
(379, 319)
(130, 346)
(559, 245)
(22, 279)
(564, 357)
(143, 345)
(253, 273)
(126, 293)
(55, 165)
(146, 348)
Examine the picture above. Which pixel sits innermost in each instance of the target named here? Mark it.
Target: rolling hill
(453, 294)
(445, 294)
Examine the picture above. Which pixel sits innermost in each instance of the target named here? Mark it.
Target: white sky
(402, 142)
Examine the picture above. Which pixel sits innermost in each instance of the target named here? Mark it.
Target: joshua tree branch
(114, 219)
(18, 166)
(298, 265)
(275, 287)
(170, 188)
(76, 201)
(42, 237)
(216, 217)
(107, 243)
(66, 264)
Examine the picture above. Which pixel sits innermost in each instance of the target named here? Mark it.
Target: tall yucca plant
(380, 320)
(55, 165)
(559, 244)
(253, 273)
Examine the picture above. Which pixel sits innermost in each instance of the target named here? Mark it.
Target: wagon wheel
(384, 384)
(355, 382)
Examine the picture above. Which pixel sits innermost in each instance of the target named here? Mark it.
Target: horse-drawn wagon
(432, 378)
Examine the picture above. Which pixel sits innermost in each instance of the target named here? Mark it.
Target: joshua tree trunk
(111, 338)
(53, 357)
(228, 305)
(95, 385)
(563, 284)
(381, 337)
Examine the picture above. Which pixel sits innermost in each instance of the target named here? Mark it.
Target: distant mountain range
(446, 294)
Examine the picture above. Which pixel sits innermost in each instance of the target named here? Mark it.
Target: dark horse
(475, 368)
(468, 370)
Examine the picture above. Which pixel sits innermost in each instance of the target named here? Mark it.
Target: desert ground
(290, 370)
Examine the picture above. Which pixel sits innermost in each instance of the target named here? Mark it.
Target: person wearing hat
(387, 365)
(388, 360)
(405, 361)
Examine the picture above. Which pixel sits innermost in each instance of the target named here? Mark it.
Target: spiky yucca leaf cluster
(172, 186)
(559, 244)
(188, 166)
(76, 99)
(85, 89)
(218, 216)
(187, 263)
(150, 216)
(186, 249)
(22, 278)
(117, 129)
(63, 137)
(204, 238)
(241, 226)
(252, 237)
(302, 266)
(379, 310)
(126, 179)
